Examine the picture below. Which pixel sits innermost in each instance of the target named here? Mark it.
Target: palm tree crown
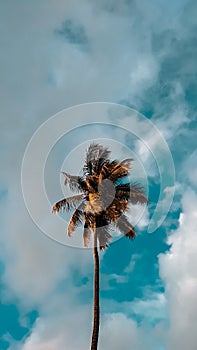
(104, 195)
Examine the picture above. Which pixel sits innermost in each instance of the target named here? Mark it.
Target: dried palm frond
(137, 194)
(91, 156)
(86, 234)
(103, 157)
(120, 170)
(123, 191)
(115, 209)
(103, 236)
(114, 170)
(75, 183)
(92, 183)
(105, 197)
(68, 203)
(125, 227)
(94, 205)
(89, 218)
(126, 164)
(77, 218)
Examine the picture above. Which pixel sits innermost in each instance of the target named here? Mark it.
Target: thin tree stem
(95, 332)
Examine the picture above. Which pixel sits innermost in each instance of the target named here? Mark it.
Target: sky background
(57, 54)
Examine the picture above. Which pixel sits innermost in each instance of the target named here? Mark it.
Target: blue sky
(58, 54)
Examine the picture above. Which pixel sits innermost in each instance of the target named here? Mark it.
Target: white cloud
(172, 122)
(34, 263)
(144, 75)
(153, 308)
(73, 332)
(67, 326)
(132, 263)
(178, 270)
(189, 169)
(119, 332)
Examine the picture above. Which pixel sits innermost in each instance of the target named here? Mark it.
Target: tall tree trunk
(95, 332)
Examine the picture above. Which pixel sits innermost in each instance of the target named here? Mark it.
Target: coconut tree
(104, 193)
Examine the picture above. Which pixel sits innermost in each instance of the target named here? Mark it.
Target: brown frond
(104, 237)
(115, 170)
(104, 171)
(91, 155)
(86, 234)
(120, 173)
(104, 200)
(103, 157)
(123, 192)
(107, 168)
(67, 203)
(95, 157)
(94, 204)
(137, 194)
(92, 183)
(75, 183)
(77, 218)
(124, 164)
(101, 219)
(115, 209)
(125, 227)
(89, 218)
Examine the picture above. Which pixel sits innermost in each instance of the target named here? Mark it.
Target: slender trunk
(95, 332)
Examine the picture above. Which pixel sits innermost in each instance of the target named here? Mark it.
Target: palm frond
(101, 219)
(107, 168)
(68, 203)
(104, 172)
(101, 204)
(102, 158)
(120, 169)
(123, 192)
(137, 194)
(91, 183)
(77, 218)
(91, 155)
(95, 157)
(103, 236)
(86, 234)
(125, 163)
(89, 218)
(75, 183)
(115, 209)
(125, 227)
